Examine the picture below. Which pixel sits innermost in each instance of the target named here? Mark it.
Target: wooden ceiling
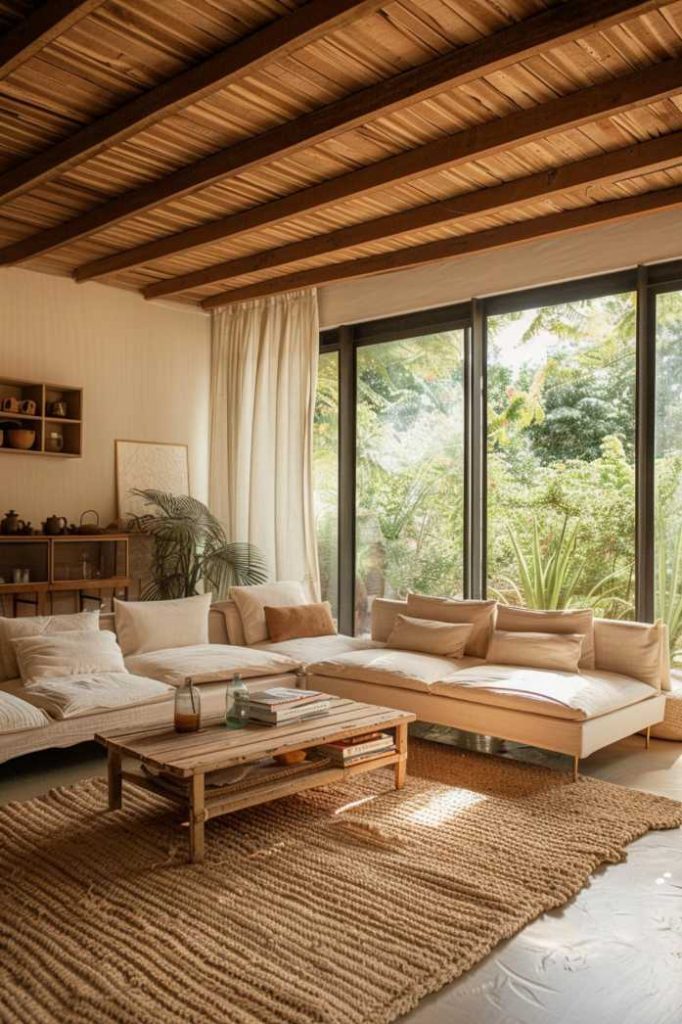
(210, 151)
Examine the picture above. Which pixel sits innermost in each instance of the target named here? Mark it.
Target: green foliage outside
(561, 476)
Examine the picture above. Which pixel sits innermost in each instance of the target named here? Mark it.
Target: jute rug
(337, 906)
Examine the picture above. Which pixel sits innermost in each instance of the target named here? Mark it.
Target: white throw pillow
(88, 693)
(36, 625)
(67, 654)
(251, 602)
(143, 626)
(18, 716)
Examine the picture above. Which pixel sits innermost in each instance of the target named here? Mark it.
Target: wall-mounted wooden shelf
(60, 436)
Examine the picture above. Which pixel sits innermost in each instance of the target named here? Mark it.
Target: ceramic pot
(28, 407)
(11, 523)
(20, 438)
(54, 525)
(10, 404)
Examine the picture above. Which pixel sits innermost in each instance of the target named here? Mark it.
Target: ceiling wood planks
(44, 24)
(218, 152)
(276, 39)
(640, 158)
(517, 42)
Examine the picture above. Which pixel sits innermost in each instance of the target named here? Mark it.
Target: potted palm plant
(191, 552)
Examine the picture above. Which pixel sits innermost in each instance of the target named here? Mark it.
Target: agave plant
(191, 550)
(550, 578)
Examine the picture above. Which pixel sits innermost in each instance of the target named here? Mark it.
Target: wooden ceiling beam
(495, 238)
(646, 86)
(268, 44)
(639, 158)
(520, 41)
(43, 25)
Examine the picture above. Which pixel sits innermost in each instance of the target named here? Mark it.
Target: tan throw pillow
(299, 620)
(251, 602)
(67, 654)
(635, 649)
(36, 625)
(384, 612)
(445, 609)
(569, 620)
(143, 626)
(446, 639)
(557, 651)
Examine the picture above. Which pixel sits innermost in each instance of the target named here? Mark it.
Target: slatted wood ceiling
(121, 49)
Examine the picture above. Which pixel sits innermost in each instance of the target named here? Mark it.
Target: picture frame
(148, 465)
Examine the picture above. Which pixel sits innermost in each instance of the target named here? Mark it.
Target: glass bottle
(236, 703)
(187, 707)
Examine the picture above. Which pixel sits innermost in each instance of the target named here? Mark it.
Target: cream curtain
(264, 375)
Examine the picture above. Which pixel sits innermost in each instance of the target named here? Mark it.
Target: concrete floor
(613, 955)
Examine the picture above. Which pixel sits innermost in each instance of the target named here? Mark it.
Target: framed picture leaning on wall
(143, 465)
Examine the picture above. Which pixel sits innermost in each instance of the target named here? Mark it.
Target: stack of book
(359, 748)
(280, 705)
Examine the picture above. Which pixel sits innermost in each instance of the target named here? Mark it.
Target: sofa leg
(647, 737)
(576, 762)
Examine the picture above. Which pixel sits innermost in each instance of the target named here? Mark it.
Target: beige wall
(145, 372)
(656, 237)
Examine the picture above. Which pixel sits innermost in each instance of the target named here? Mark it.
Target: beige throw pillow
(634, 649)
(36, 625)
(251, 602)
(446, 639)
(67, 654)
(143, 626)
(569, 620)
(557, 651)
(479, 614)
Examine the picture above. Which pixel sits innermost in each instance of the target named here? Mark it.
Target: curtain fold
(264, 374)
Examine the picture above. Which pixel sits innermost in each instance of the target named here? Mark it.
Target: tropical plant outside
(191, 553)
(561, 461)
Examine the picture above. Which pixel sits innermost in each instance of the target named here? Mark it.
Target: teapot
(55, 524)
(12, 523)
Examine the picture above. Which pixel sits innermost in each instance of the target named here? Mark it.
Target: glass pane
(410, 457)
(668, 555)
(561, 456)
(326, 472)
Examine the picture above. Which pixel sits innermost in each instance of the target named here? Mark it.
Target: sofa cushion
(232, 631)
(444, 609)
(17, 715)
(634, 648)
(384, 612)
(88, 693)
(566, 620)
(308, 649)
(568, 695)
(207, 663)
(444, 639)
(291, 622)
(251, 602)
(560, 651)
(157, 625)
(406, 669)
(35, 625)
(67, 654)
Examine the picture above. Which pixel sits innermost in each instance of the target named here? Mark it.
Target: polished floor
(613, 955)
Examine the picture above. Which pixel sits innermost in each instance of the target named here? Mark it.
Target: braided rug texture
(343, 905)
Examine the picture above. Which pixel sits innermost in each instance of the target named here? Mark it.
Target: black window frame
(646, 281)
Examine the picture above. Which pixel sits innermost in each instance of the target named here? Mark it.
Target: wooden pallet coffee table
(189, 757)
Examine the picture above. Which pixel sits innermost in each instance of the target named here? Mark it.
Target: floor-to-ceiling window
(409, 469)
(668, 467)
(561, 455)
(326, 474)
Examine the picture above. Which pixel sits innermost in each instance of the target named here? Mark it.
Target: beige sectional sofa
(577, 712)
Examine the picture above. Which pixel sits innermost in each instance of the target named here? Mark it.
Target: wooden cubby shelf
(60, 436)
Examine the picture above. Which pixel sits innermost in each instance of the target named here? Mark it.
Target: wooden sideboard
(86, 565)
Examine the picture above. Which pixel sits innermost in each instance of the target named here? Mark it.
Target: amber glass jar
(187, 707)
